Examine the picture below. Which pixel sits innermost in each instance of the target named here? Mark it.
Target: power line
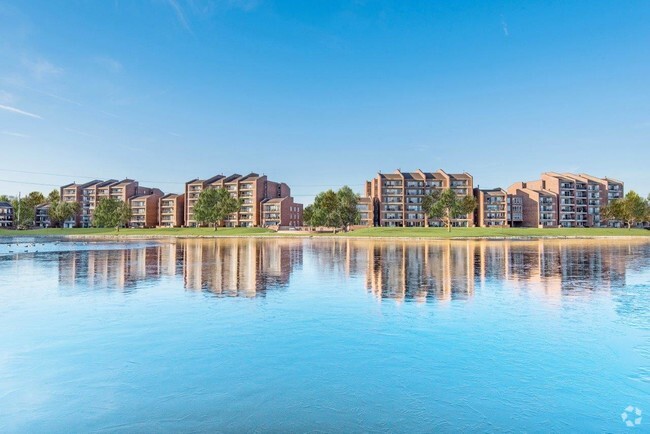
(144, 181)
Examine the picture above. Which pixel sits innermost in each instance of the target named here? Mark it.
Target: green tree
(25, 208)
(4, 198)
(308, 215)
(347, 209)
(447, 206)
(111, 213)
(333, 209)
(214, 205)
(325, 210)
(630, 210)
(54, 196)
(60, 211)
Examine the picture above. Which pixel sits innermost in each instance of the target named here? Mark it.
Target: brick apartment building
(281, 211)
(145, 210)
(567, 200)
(497, 208)
(172, 210)
(397, 197)
(252, 189)
(89, 194)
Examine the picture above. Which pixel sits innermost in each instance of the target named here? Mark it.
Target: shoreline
(164, 237)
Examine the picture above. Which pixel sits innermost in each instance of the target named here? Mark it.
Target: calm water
(324, 336)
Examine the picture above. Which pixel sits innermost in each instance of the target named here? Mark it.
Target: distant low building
(6, 215)
(42, 216)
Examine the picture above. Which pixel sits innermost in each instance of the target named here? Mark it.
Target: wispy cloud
(13, 134)
(18, 111)
(174, 134)
(109, 63)
(504, 25)
(42, 69)
(180, 14)
(81, 133)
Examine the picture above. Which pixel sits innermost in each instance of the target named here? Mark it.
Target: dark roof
(5, 205)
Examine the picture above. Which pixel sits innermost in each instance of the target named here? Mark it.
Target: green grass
(172, 232)
(498, 232)
(367, 232)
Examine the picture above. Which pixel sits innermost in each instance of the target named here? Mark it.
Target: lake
(295, 335)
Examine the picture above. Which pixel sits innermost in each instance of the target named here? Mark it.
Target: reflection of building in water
(231, 267)
(116, 268)
(420, 271)
(240, 267)
(447, 270)
(556, 266)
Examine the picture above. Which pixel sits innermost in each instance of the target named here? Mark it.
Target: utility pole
(18, 219)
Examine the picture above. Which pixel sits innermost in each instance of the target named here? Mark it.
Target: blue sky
(322, 93)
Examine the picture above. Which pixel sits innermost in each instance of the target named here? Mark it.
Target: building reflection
(402, 271)
(448, 270)
(229, 267)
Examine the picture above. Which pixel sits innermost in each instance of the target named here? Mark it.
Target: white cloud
(13, 134)
(109, 63)
(18, 111)
(179, 13)
(81, 133)
(41, 68)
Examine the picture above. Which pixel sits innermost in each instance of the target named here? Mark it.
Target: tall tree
(630, 210)
(308, 215)
(448, 206)
(347, 209)
(334, 209)
(54, 196)
(214, 205)
(325, 209)
(111, 213)
(60, 211)
(4, 198)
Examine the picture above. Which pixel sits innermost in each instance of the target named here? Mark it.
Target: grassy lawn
(498, 232)
(173, 232)
(367, 232)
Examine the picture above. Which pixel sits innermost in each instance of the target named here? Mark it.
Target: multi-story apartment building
(145, 210)
(172, 210)
(89, 194)
(580, 197)
(539, 206)
(600, 191)
(6, 215)
(366, 211)
(251, 189)
(73, 193)
(492, 207)
(515, 210)
(281, 211)
(397, 197)
(42, 216)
